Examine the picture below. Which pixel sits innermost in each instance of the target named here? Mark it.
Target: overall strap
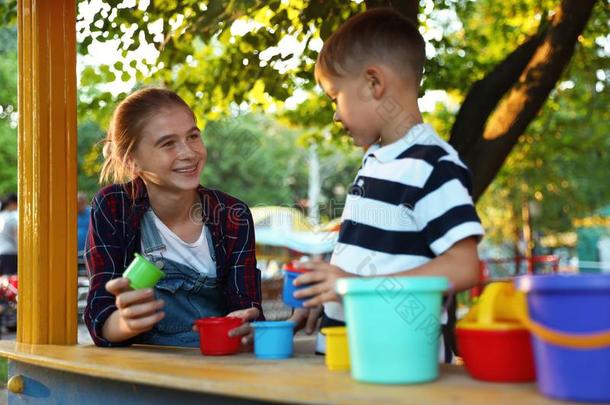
(208, 237)
(151, 239)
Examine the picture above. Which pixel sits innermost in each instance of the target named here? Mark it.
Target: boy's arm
(462, 255)
(450, 227)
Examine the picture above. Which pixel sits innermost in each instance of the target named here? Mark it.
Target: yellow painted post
(47, 312)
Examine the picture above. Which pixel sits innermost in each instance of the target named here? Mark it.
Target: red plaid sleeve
(105, 254)
(243, 283)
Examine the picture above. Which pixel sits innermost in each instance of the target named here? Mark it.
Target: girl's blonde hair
(125, 130)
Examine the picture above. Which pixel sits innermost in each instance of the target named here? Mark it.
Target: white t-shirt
(196, 255)
(9, 221)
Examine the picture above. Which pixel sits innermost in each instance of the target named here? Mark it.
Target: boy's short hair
(377, 35)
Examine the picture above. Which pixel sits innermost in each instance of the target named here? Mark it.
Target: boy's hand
(323, 277)
(137, 312)
(306, 318)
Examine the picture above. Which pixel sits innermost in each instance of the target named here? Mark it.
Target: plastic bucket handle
(501, 300)
(595, 340)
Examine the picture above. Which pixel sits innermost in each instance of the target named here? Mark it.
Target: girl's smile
(171, 153)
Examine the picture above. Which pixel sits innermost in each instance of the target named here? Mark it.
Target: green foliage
(480, 36)
(222, 72)
(217, 68)
(563, 160)
(256, 159)
(8, 12)
(8, 69)
(89, 156)
(3, 371)
(253, 159)
(8, 157)
(8, 108)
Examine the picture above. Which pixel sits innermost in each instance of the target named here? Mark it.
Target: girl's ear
(376, 81)
(133, 167)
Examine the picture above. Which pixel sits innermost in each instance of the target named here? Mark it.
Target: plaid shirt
(114, 236)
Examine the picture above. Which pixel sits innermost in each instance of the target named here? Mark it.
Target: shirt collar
(387, 153)
(208, 200)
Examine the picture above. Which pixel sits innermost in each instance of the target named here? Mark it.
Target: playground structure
(46, 363)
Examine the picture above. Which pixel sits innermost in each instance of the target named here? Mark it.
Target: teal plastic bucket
(393, 327)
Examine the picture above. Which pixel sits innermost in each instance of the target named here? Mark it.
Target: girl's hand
(322, 277)
(244, 330)
(137, 312)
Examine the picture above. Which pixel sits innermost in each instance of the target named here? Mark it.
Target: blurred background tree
(520, 88)
(8, 109)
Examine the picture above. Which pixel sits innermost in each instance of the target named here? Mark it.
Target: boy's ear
(376, 81)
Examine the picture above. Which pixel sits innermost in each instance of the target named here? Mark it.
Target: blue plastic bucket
(273, 340)
(576, 306)
(289, 289)
(393, 327)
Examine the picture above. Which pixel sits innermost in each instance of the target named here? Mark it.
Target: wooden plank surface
(302, 379)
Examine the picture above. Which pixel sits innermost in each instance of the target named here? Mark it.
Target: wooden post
(47, 312)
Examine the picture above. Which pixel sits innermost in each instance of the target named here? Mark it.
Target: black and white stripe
(410, 202)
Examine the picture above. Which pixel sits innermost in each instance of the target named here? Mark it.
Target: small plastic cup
(291, 272)
(273, 340)
(142, 274)
(337, 349)
(214, 339)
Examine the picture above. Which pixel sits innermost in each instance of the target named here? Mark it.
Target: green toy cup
(142, 274)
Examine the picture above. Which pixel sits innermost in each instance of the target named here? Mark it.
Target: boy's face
(355, 107)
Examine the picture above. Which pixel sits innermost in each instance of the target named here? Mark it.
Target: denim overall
(187, 293)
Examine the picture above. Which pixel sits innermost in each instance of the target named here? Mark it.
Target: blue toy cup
(289, 288)
(393, 327)
(273, 340)
(564, 313)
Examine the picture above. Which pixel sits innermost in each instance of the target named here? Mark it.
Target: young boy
(409, 211)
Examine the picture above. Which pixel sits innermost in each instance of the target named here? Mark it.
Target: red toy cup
(497, 355)
(214, 339)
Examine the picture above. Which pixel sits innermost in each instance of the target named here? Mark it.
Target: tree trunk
(499, 107)
(523, 81)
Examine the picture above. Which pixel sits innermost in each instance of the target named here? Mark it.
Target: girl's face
(170, 153)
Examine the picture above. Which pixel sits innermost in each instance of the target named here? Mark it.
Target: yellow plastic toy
(337, 349)
(502, 307)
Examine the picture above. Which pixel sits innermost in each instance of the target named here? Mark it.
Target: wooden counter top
(302, 379)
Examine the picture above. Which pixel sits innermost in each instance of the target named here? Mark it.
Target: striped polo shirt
(410, 202)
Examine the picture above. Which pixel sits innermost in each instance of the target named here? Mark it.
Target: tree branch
(485, 150)
(485, 94)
